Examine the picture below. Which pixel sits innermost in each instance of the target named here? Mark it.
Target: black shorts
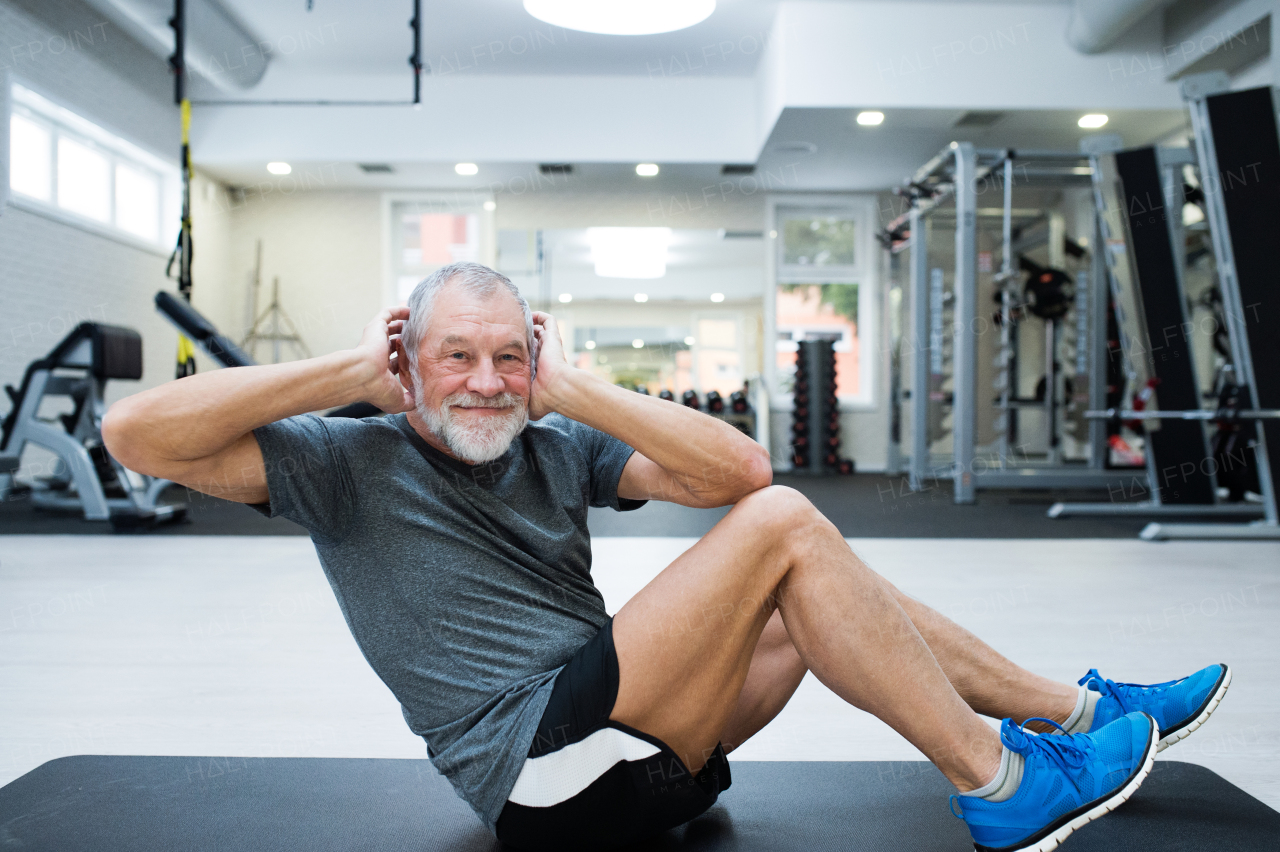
(591, 783)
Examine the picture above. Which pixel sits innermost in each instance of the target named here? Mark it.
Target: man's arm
(682, 456)
(198, 430)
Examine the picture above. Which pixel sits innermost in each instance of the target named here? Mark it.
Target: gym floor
(147, 645)
(861, 506)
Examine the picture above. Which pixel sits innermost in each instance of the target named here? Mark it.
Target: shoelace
(1069, 752)
(1121, 692)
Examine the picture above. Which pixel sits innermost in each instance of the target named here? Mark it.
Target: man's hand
(552, 366)
(382, 353)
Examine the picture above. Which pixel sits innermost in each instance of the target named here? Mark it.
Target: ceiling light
(646, 169)
(642, 297)
(490, 206)
(689, 341)
(466, 168)
(566, 298)
(871, 118)
(590, 344)
(621, 17)
(717, 297)
(1092, 121)
(637, 344)
(629, 252)
(279, 168)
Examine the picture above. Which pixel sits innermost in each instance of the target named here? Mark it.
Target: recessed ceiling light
(871, 118)
(637, 344)
(590, 344)
(646, 169)
(1092, 121)
(717, 297)
(279, 168)
(621, 17)
(566, 298)
(689, 341)
(466, 168)
(641, 297)
(491, 206)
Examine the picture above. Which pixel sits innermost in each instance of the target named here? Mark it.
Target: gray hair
(474, 279)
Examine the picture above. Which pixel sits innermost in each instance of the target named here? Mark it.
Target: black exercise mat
(167, 804)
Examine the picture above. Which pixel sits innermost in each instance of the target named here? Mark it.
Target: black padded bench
(183, 804)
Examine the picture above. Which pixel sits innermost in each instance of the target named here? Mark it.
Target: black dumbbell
(690, 399)
(667, 395)
(715, 402)
(738, 402)
(642, 389)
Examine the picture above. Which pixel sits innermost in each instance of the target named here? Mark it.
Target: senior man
(454, 535)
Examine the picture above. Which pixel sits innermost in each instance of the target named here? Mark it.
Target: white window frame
(865, 272)
(64, 123)
(459, 203)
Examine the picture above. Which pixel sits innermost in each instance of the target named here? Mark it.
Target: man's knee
(780, 512)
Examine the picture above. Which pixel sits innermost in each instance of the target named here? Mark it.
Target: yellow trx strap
(186, 349)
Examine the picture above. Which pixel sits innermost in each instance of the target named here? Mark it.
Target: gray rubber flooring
(861, 506)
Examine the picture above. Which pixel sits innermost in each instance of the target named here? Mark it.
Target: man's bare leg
(990, 684)
(685, 642)
(775, 674)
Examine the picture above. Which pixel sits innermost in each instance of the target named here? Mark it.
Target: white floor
(235, 646)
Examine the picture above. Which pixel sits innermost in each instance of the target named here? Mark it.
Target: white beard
(474, 439)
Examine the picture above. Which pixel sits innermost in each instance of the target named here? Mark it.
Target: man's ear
(402, 369)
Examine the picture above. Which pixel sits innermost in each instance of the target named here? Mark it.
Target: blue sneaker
(1178, 706)
(1067, 781)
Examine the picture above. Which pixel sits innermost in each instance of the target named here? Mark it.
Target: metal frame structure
(1121, 269)
(1196, 91)
(955, 174)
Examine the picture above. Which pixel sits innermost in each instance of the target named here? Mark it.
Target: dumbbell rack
(815, 420)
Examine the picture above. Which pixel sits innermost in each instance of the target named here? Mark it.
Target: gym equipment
(159, 804)
(667, 395)
(715, 402)
(1238, 146)
(222, 349)
(815, 419)
(690, 398)
(88, 479)
(192, 323)
(273, 325)
(945, 328)
(1145, 262)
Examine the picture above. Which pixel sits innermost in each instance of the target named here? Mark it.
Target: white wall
(54, 274)
(326, 248)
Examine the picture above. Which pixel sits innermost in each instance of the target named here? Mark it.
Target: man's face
(473, 381)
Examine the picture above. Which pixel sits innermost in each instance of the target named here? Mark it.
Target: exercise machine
(965, 381)
(1140, 198)
(87, 478)
(1238, 147)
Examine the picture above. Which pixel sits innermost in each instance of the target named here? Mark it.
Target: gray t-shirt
(466, 588)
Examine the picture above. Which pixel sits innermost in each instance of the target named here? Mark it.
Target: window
(59, 160)
(427, 238)
(825, 284)
(819, 243)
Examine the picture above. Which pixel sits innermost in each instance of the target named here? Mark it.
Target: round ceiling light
(621, 17)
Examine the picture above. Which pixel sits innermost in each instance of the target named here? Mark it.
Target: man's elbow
(120, 437)
(757, 470)
(754, 471)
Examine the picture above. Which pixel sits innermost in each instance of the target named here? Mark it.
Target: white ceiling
(748, 85)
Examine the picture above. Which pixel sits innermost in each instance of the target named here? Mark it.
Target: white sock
(1008, 779)
(1081, 719)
